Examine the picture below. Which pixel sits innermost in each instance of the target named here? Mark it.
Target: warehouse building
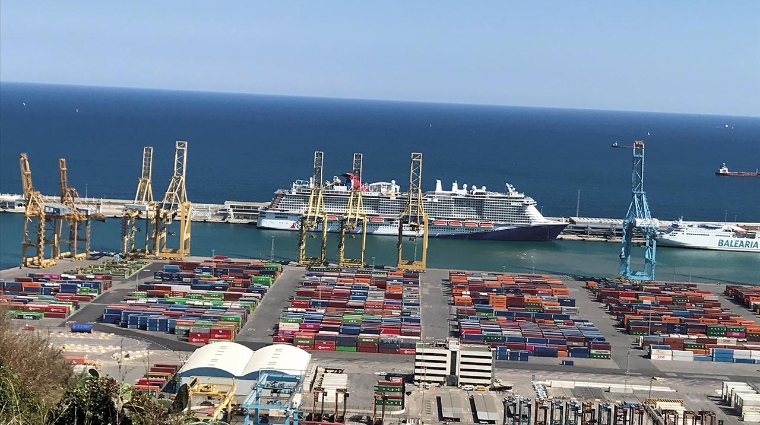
(447, 362)
(221, 362)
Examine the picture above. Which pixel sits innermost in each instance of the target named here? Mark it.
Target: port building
(221, 362)
(447, 362)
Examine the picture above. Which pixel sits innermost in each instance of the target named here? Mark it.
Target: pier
(245, 212)
(237, 212)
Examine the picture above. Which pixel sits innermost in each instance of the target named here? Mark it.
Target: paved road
(259, 326)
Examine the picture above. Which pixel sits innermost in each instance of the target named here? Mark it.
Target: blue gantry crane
(638, 219)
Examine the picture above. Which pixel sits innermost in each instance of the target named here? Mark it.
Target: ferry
(713, 236)
(460, 213)
(723, 171)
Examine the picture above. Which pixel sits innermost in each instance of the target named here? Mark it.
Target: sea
(243, 147)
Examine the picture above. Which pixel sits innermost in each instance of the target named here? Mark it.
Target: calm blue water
(243, 147)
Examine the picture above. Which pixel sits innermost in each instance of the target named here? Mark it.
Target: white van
(468, 387)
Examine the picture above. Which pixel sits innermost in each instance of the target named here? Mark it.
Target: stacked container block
(353, 310)
(160, 378)
(746, 295)
(663, 308)
(48, 295)
(690, 348)
(208, 304)
(521, 316)
(390, 393)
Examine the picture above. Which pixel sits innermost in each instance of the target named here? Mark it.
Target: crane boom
(174, 203)
(355, 216)
(39, 226)
(143, 211)
(414, 218)
(638, 218)
(314, 216)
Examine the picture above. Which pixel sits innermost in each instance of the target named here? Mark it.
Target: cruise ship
(723, 237)
(459, 213)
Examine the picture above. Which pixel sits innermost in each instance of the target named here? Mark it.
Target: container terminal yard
(629, 363)
(257, 341)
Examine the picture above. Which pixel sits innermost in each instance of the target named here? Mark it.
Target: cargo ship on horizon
(460, 213)
(723, 171)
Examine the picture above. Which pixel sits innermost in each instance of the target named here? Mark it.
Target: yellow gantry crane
(142, 211)
(221, 396)
(174, 205)
(70, 235)
(314, 216)
(355, 217)
(41, 222)
(414, 218)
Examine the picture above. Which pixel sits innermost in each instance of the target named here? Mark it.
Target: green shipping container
(303, 340)
(214, 295)
(347, 349)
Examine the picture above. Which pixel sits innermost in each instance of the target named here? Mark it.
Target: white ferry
(466, 213)
(722, 237)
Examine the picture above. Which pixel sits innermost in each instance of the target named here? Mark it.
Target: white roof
(229, 359)
(282, 358)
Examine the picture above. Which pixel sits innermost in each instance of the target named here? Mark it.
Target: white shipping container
(742, 354)
(728, 387)
(751, 417)
(746, 400)
(737, 393)
(662, 357)
(658, 352)
(750, 409)
(726, 341)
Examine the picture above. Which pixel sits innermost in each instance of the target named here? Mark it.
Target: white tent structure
(222, 361)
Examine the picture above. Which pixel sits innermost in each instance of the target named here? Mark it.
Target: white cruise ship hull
(717, 243)
(459, 230)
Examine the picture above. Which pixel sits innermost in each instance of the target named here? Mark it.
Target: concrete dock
(114, 208)
(244, 212)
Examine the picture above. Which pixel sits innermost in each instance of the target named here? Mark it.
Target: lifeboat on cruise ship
(332, 217)
(486, 225)
(376, 219)
(455, 223)
(439, 222)
(470, 224)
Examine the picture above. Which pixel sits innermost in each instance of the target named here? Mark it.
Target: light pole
(85, 190)
(271, 251)
(373, 263)
(503, 269)
(533, 261)
(627, 364)
(650, 387)
(415, 249)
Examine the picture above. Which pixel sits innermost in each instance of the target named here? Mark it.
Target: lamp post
(415, 249)
(627, 369)
(271, 250)
(373, 263)
(650, 387)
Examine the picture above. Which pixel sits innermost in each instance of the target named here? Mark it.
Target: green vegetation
(37, 386)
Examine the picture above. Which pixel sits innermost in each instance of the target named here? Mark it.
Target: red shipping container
(407, 351)
(304, 346)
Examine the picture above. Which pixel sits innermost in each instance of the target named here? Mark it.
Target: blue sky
(671, 56)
